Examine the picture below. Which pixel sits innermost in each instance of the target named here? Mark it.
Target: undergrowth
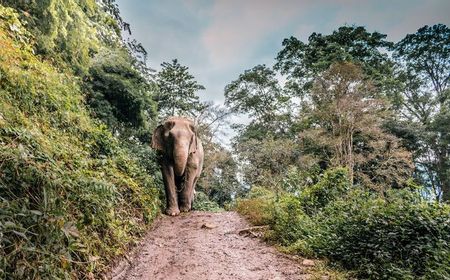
(397, 235)
(203, 203)
(71, 196)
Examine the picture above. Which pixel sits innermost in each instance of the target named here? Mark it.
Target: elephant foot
(185, 208)
(172, 211)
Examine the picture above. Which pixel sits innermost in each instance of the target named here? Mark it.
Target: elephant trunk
(180, 156)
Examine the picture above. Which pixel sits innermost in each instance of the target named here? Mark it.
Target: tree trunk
(446, 192)
(444, 178)
(443, 156)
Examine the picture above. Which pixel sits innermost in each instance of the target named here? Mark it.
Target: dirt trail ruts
(180, 248)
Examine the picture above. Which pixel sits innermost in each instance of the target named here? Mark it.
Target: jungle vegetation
(358, 173)
(77, 187)
(346, 158)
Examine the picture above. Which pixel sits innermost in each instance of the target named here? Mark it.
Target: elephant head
(176, 138)
(181, 161)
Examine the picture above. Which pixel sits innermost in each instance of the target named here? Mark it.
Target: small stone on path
(208, 226)
(307, 262)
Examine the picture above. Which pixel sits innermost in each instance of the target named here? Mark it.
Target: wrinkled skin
(181, 162)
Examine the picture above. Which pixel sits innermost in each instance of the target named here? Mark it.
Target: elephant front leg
(187, 195)
(170, 189)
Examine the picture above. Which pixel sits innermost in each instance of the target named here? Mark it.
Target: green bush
(334, 184)
(395, 236)
(258, 208)
(203, 203)
(290, 223)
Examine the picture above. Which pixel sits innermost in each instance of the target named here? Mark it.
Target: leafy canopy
(258, 94)
(302, 61)
(427, 53)
(424, 71)
(177, 90)
(119, 94)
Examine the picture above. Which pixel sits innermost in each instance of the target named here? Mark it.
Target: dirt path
(183, 248)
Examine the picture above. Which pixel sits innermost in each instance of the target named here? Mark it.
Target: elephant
(181, 160)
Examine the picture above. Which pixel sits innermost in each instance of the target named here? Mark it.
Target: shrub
(290, 222)
(203, 203)
(258, 208)
(334, 184)
(395, 236)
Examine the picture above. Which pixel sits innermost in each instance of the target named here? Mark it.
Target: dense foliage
(301, 62)
(72, 196)
(120, 95)
(399, 236)
(336, 149)
(69, 32)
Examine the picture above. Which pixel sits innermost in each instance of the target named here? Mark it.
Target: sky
(220, 39)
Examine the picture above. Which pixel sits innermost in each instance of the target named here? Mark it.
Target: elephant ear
(157, 138)
(193, 144)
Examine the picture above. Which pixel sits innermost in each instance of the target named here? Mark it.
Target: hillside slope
(71, 197)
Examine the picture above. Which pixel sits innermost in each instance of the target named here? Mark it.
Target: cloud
(238, 27)
(167, 29)
(395, 18)
(219, 39)
(425, 13)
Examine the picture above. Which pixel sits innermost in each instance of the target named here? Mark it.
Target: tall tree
(263, 145)
(258, 94)
(345, 119)
(424, 58)
(427, 53)
(177, 90)
(120, 95)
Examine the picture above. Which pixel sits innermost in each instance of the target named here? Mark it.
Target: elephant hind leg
(193, 190)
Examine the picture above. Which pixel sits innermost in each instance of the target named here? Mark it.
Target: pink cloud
(239, 26)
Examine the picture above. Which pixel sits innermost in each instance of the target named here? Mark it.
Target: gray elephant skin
(181, 161)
